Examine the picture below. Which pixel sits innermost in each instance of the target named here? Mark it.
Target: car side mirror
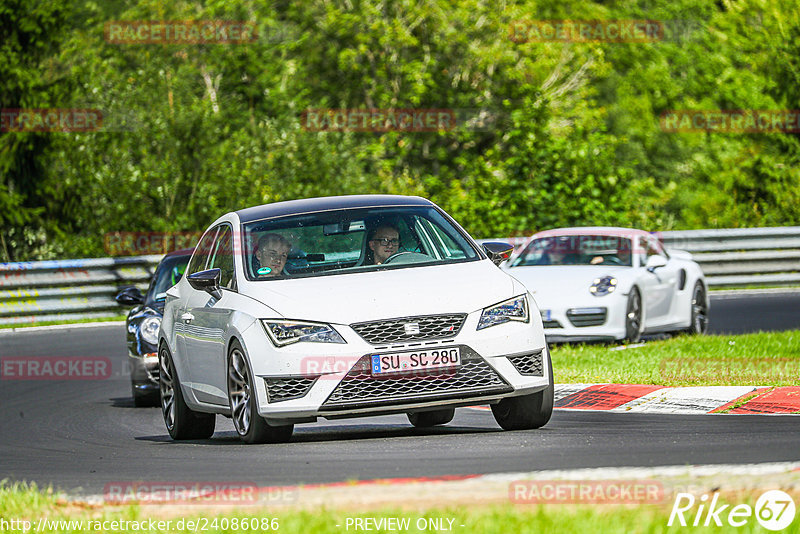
(208, 281)
(129, 296)
(654, 262)
(498, 252)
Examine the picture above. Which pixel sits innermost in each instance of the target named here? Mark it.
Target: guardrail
(81, 289)
(69, 289)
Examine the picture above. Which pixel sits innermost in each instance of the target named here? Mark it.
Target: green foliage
(192, 131)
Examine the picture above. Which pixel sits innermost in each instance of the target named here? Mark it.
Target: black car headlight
(287, 332)
(148, 329)
(514, 309)
(603, 286)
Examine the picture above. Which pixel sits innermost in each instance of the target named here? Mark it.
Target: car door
(209, 319)
(183, 324)
(660, 285)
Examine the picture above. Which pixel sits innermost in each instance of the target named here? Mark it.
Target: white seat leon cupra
(346, 307)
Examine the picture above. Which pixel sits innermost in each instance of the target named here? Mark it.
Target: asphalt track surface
(81, 435)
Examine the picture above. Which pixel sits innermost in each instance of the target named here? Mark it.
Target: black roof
(310, 205)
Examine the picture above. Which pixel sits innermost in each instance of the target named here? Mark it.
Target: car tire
(182, 422)
(699, 317)
(251, 427)
(431, 418)
(528, 411)
(633, 317)
(145, 399)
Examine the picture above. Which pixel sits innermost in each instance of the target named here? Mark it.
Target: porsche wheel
(699, 324)
(633, 317)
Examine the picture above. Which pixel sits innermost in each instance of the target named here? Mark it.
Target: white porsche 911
(345, 307)
(601, 283)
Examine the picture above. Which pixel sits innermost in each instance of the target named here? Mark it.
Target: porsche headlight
(515, 309)
(603, 286)
(149, 329)
(287, 332)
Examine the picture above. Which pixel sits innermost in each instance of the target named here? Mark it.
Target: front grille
(474, 378)
(395, 331)
(587, 316)
(551, 324)
(528, 364)
(287, 388)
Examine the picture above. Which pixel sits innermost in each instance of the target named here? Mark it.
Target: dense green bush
(192, 131)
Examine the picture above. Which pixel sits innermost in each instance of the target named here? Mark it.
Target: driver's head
(384, 241)
(272, 251)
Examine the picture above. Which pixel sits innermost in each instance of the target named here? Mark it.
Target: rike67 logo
(774, 510)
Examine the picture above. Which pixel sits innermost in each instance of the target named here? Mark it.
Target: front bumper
(304, 381)
(598, 319)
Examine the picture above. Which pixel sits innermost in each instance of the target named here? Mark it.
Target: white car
(345, 307)
(602, 283)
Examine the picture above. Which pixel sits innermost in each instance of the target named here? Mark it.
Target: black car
(143, 322)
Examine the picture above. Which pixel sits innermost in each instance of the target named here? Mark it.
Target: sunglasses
(385, 241)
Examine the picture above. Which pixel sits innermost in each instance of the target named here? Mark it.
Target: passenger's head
(383, 242)
(272, 251)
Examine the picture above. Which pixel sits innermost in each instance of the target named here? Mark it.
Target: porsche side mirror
(498, 252)
(654, 262)
(208, 281)
(129, 296)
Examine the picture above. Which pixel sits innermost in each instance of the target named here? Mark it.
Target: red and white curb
(678, 400)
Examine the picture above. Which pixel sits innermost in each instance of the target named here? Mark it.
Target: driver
(272, 251)
(383, 242)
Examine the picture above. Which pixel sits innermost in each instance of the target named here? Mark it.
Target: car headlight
(603, 286)
(286, 332)
(514, 309)
(149, 329)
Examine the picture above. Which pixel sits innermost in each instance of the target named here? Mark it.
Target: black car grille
(358, 388)
(287, 388)
(394, 330)
(551, 324)
(528, 364)
(587, 316)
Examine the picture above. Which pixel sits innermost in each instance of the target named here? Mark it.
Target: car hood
(351, 298)
(553, 283)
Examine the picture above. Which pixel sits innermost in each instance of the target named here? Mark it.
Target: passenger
(383, 242)
(271, 254)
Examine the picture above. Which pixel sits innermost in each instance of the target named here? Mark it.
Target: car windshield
(352, 240)
(576, 250)
(168, 274)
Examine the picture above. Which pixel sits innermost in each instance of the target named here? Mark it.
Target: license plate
(546, 315)
(418, 360)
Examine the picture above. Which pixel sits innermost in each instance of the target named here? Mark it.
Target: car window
(589, 249)
(168, 273)
(222, 257)
(339, 241)
(202, 251)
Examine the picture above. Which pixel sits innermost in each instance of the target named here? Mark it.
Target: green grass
(21, 502)
(73, 321)
(763, 359)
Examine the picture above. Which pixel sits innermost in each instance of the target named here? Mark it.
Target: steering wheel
(396, 255)
(406, 253)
